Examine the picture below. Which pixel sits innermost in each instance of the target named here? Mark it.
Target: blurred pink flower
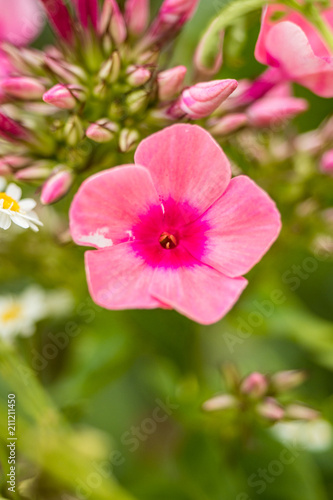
(173, 230)
(326, 163)
(20, 21)
(289, 42)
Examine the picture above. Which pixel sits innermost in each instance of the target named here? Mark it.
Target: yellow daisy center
(12, 313)
(9, 203)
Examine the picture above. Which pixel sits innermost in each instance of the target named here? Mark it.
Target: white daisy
(19, 314)
(13, 209)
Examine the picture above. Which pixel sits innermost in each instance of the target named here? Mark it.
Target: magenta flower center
(168, 241)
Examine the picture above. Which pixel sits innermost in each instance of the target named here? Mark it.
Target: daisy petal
(187, 165)
(119, 279)
(20, 221)
(109, 204)
(27, 204)
(243, 224)
(5, 221)
(200, 292)
(14, 191)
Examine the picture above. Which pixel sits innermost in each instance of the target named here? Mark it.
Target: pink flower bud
(138, 75)
(23, 87)
(228, 123)
(112, 22)
(4, 169)
(63, 96)
(301, 412)
(12, 130)
(15, 162)
(59, 18)
(170, 82)
(223, 402)
(273, 111)
(87, 11)
(137, 16)
(128, 139)
(271, 409)
(213, 65)
(203, 99)
(56, 187)
(326, 164)
(255, 385)
(286, 380)
(32, 173)
(173, 14)
(102, 131)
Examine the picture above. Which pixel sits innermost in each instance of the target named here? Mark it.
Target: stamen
(168, 241)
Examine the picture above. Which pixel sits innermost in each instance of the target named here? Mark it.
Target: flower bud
(59, 18)
(170, 82)
(208, 55)
(112, 22)
(102, 131)
(138, 75)
(69, 73)
(15, 162)
(136, 101)
(228, 123)
(137, 16)
(286, 380)
(11, 130)
(128, 139)
(300, 412)
(87, 11)
(73, 131)
(4, 169)
(255, 385)
(326, 163)
(203, 99)
(270, 409)
(56, 187)
(64, 96)
(23, 87)
(172, 15)
(273, 111)
(110, 70)
(34, 173)
(223, 402)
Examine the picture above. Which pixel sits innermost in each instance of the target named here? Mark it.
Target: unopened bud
(271, 409)
(255, 385)
(223, 402)
(15, 162)
(138, 75)
(136, 101)
(128, 139)
(286, 380)
(326, 164)
(112, 22)
(110, 70)
(64, 96)
(23, 87)
(73, 131)
(228, 123)
(56, 187)
(203, 99)
(102, 131)
(273, 111)
(300, 412)
(170, 82)
(34, 173)
(137, 16)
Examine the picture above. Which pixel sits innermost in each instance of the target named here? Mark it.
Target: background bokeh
(117, 398)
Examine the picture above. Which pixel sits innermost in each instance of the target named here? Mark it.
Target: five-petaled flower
(173, 230)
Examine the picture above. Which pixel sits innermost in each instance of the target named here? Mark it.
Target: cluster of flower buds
(100, 89)
(260, 395)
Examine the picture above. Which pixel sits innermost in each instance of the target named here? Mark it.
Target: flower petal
(244, 223)
(5, 221)
(199, 292)
(14, 191)
(27, 204)
(20, 221)
(119, 279)
(187, 165)
(289, 47)
(109, 204)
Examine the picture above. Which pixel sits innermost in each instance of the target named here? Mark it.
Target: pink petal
(271, 111)
(109, 204)
(87, 12)
(20, 21)
(267, 23)
(199, 292)
(119, 279)
(60, 18)
(244, 223)
(289, 47)
(187, 165)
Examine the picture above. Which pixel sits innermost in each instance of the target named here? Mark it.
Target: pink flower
(291, 43)
(20, 21)
(173, 230)
(326, 163)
